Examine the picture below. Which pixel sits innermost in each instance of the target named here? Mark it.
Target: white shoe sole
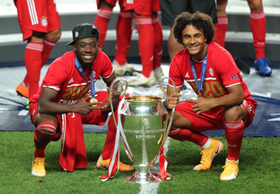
(36, 174)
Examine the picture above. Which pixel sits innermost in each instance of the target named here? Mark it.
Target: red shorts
(213, 119)
(94, 118)
(37, 15)
(112, 2)
(142, 7)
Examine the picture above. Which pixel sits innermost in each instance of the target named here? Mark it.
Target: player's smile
(88, 57)
(193, 48)
(194, 41)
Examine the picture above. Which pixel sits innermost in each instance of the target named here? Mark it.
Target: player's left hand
(201, 105)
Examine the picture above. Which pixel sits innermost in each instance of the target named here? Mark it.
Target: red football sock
(101, 21)
(234, 132)
(188, 135)
(47, 49)
(258, 28)
(124, 31)
(33, 63)
(221, 29)
(146, 42)
(43, 134)
(158, 42)
(110, 139)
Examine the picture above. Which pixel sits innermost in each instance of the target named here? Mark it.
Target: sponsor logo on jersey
(187, 75)
(74, 92)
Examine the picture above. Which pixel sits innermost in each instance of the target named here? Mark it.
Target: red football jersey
(221, 73)
(63, 76)
(142, 7)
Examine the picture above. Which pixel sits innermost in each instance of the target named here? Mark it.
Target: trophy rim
(143, 98)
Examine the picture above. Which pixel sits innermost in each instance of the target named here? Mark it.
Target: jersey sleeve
(228, 70)
(55, 76)
(106, 65)
(175, 73)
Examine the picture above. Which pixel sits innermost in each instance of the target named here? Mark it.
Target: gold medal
(93, 100)
(199, 95)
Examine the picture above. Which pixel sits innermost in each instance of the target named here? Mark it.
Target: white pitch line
(151, 188)
(3, 110)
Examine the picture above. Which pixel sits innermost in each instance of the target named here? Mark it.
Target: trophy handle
(127, 149)
(122, 94)
(166, 132)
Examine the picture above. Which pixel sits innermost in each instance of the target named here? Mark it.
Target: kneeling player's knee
(233, 114)
(47, 128)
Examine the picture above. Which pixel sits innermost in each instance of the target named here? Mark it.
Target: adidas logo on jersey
(187, 75)
(71, 81)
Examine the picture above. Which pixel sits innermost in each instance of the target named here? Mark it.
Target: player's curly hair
(198, 20)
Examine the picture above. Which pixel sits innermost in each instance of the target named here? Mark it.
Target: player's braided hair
(198, 20)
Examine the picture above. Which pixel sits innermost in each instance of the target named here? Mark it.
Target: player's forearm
(230, 100)
(55, 108)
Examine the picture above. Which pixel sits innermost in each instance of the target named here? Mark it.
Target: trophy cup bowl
(145, 127)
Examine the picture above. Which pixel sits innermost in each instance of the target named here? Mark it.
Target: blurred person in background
(123, 30)
(40, 26)
(145, 17)
(258, 28)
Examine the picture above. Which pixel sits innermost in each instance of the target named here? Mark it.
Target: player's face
(86, 51)
(194, 41)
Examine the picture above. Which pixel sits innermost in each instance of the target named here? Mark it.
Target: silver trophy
(144, 129)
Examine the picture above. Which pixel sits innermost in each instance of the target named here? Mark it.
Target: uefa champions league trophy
(144, 129)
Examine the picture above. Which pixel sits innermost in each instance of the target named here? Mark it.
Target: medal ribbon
(203, 73)
(80, 69)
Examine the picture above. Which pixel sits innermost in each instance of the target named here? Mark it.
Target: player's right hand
(83, 107)
(172, 100)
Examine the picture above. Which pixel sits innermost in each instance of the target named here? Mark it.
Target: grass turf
(259, 169)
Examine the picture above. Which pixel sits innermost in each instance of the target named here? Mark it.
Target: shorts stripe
(32, 12)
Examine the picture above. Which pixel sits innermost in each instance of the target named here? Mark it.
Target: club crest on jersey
(211, 71)
(44, 21)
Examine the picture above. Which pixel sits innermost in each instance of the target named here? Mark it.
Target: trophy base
(143, 178)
